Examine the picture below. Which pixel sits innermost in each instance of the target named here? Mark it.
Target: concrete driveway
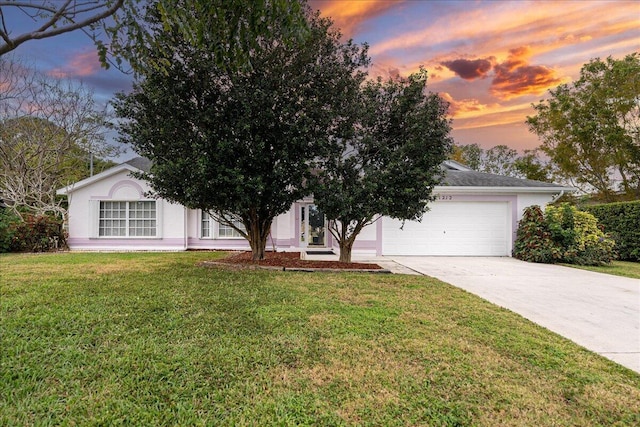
(598, 311)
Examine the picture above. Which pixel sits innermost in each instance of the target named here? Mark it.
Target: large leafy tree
(48, 127)
(389, 163)
(590, 129)
(229, 30)
(240, 144)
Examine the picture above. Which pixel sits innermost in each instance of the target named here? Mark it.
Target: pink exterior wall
(179, 228)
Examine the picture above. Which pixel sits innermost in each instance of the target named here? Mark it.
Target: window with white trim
(223, 231)
(205, 226)
(127, 219)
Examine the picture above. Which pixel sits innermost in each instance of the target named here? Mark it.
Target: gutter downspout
(186, 227)
(558, 196)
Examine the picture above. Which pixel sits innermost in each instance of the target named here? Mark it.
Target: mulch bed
(292, 260)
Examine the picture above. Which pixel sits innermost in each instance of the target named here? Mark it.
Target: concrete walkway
(598, 311)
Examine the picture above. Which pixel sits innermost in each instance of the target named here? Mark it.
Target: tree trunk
(346, 239)
(346, 246)
(258, 235)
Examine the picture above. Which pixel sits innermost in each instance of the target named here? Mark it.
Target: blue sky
(489, 59)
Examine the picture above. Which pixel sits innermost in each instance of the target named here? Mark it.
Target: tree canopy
(389, 163)
(240, 144)
(590, 129)
(229, 30)
(503, 160)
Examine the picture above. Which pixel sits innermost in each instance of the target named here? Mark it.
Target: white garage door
(452, 228)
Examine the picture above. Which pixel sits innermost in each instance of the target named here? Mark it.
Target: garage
(452, 229)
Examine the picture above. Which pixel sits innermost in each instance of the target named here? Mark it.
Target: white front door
(313, 227)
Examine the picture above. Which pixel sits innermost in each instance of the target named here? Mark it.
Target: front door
(313, 227)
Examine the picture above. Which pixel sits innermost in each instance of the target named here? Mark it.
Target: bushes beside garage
(622, 221)
(562, 234)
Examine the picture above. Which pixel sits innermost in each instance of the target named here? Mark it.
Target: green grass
(617, 268)
(152, 339)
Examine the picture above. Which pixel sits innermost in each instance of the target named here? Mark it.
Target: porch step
(325, 255)
(320, 252)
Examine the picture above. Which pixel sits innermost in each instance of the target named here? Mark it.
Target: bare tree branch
(47, 129)
(61, 17)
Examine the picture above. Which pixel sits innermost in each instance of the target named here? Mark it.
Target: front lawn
(618, 268)
(152, 339)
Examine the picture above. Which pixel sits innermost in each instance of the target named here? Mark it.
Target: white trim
(159, 216)
(98, 177)
(94, 218)
(200, 218)
(501, 190)
(214, 229)
(456, 166)
(218, 237)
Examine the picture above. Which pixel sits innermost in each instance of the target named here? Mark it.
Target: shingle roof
(455, 178)
(141, 163)
(452, 176)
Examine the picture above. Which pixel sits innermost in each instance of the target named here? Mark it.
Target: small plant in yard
(578, 236)
(8, 219)
(533, 239)
(562, 234)
(37, 233)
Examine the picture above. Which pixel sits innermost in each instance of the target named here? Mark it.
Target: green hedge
(622, 221)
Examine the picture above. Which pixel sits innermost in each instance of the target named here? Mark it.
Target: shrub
(8, 220)
(40, 233)
(533, 238)
(622, 221)
(562, 234)
(577, 235)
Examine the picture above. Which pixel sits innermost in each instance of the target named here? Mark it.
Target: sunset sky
(489, 59)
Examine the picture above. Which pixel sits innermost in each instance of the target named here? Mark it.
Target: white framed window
(222, 231)
(228, 232)
(206, 231)
(127, 219)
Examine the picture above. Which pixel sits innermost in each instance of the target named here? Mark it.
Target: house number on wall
(443, 197)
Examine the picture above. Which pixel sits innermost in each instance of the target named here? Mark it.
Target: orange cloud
(82, 65)
(515, 77)
(469, 107)
(543, 26)
(348, 15)
(493, 118)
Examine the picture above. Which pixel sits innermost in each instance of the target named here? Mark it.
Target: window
(205, 226)
(224, 231)
(127, 219)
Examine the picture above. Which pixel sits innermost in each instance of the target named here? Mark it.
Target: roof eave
(65, 191)
(502, 190)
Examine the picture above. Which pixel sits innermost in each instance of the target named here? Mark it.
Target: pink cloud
(82, 65)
